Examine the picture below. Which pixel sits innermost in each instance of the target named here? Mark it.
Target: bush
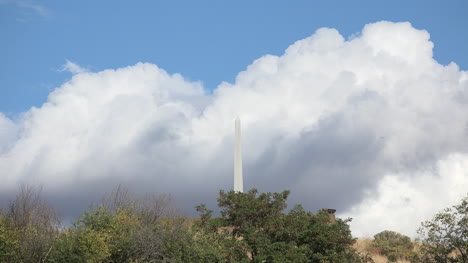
(78, 246)
(393, 245)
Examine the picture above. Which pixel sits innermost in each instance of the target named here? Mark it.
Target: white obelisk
(238, 182)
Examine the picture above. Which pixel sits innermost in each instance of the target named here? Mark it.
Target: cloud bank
(372, 126)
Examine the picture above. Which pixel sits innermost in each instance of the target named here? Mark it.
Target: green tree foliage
(127, 229)
(122, 228)
(445, 237)
(8, 240)
(256, 229)
(28, 228)
(78, 246)
(394, 245)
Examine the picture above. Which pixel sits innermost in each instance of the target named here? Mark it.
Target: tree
(124, 228)
(445, 237)
(28, 227)
(77, 246)
(8, 240)
(393, 245)
(257, 229)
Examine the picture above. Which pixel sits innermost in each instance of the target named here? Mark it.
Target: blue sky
(210, 41)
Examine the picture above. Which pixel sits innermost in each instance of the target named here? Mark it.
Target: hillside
(364, 246)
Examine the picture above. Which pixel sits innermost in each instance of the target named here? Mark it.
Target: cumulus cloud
(401, 201)
(8, 131)
(366, 124)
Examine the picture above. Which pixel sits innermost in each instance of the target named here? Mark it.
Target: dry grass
(364, 246)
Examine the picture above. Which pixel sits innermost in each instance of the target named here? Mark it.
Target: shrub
(393, 245)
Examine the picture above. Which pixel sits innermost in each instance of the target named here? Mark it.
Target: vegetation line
(253, 227)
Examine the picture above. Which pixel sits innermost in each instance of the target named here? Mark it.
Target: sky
(358, 106)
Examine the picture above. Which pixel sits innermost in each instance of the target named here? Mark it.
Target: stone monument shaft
(238, 181)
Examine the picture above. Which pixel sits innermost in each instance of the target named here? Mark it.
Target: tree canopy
(257, 229)
(445, 238)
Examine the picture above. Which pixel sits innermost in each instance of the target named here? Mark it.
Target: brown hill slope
(364, 246)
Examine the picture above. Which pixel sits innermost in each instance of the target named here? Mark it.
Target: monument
(238, 181)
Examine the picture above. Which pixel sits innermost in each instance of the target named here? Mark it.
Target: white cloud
(32, 5)
(73, 68)
(402, 201)
(26, 5)
(330, 119)
(8, 131)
